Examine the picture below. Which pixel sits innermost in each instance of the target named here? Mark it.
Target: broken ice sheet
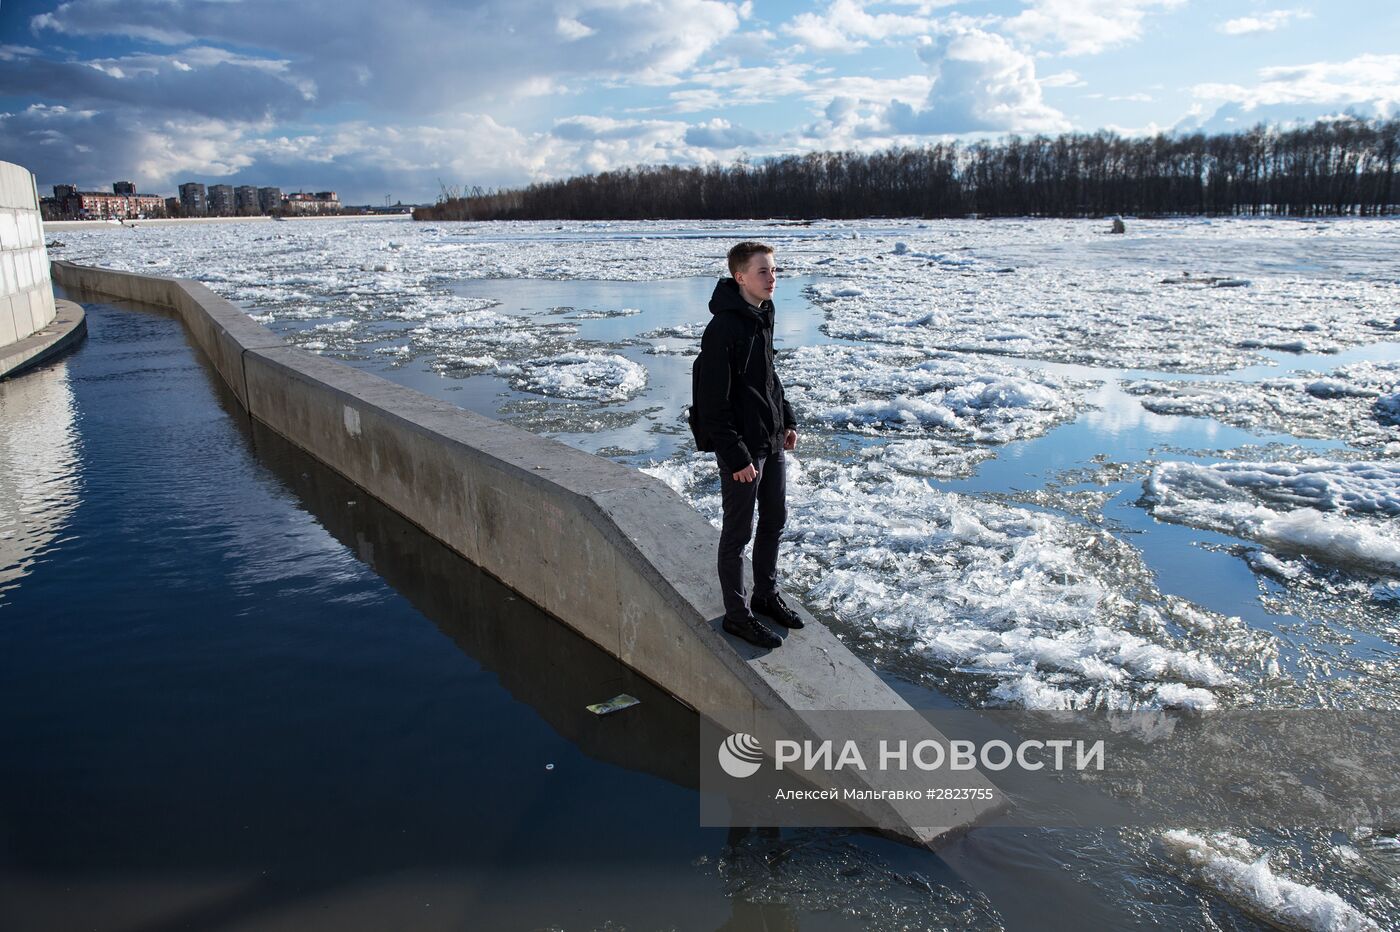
(875, 389)
(584, 376)
(1336, 512)
(1358, 403)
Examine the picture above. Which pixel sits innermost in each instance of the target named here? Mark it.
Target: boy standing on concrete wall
(739, 406)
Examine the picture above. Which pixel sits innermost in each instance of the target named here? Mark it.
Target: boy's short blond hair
(740, 255)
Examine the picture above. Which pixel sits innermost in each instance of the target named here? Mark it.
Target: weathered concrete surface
(610, 551)
(65, 331)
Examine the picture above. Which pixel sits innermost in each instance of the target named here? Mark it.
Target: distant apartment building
(245, 200)
(221, 201)
(68, 203)
(322, 202)
(195, 200)
(192, 199)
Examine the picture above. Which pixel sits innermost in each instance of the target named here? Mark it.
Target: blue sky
(370, 98)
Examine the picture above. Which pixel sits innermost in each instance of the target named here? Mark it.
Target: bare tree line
(1332, 168)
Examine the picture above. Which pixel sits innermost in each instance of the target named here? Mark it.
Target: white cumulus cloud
(982, 83)
(1063, 79)
(846, 25)
(1365, 86)
(1085, 27)
(1265, 22)
(721, 134)
(1364, 78)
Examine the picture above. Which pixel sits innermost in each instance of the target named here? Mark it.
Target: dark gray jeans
(769, 493)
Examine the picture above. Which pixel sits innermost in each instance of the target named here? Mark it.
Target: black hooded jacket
(738, 398)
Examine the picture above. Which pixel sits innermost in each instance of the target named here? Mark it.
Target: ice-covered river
(1040, 465)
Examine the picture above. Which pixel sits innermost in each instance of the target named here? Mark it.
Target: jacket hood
(727, 297)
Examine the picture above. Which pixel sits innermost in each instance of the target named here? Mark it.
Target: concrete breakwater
(613, 553)
(26, 297)
(33, 327)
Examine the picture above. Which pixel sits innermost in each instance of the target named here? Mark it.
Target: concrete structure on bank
(31, 326)
(26, 294)
(610, 551)
(68, 328)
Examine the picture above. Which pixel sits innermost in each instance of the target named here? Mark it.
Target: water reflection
(536, 658)
(1113, 411)
(40, 474)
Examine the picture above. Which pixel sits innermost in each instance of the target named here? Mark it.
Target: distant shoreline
(170, 221)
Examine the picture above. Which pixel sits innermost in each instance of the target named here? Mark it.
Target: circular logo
(740, 755)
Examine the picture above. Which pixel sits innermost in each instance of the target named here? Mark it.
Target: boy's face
(758, 278)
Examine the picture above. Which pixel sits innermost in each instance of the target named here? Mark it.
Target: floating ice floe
(604, 314)
(673, 349)
(883, 389)
(454, 329)
(1346, 601)
(1339, 513)
(477, 319)
(449, 363)
(1231, 868)
(692, 331)
(585, 376)
(936, 459)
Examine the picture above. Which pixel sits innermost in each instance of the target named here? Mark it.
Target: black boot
(752, 630)
(778, 610)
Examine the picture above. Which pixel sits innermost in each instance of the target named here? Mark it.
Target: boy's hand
(790, 440)
(747, 474)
